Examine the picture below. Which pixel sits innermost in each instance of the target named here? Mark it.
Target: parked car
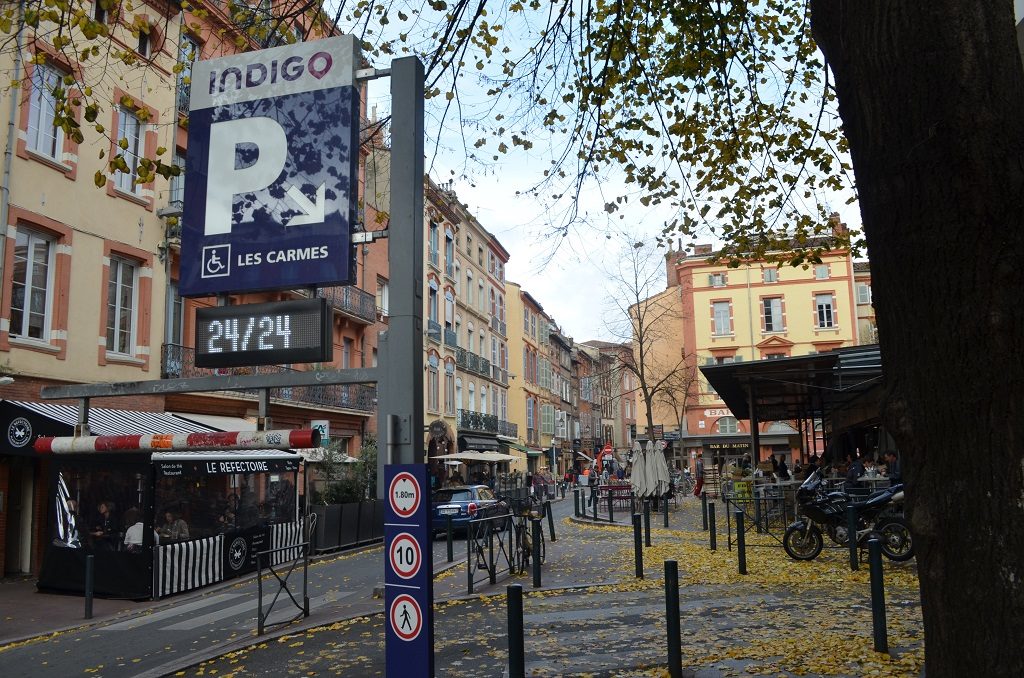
(462, 503)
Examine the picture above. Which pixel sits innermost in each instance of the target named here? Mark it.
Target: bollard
(516, 646)
(537, 536)
(704, 510)
(90, 568)
(851, 536)
(632, 503)
(594, 500)
(492, 570)
(675, 651)
(647, 522)
(563, 490)
(638, 549)
(551, 519)
(741, 542)
(711, 527)
(576, 502)
(611, 510)
(665, 502)
(757, 513)
(877, 596)
(451, 542)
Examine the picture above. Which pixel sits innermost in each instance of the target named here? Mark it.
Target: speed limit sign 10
(405, 555)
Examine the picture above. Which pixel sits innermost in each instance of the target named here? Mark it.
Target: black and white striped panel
(285, 534)
(188, 565)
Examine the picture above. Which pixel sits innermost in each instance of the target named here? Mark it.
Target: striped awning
(109, 422)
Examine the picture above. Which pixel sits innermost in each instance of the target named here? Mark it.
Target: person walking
(594, 479)
(700, 476)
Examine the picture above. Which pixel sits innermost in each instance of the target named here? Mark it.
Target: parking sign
(271, 171)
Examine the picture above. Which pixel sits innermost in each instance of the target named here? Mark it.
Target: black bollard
(594, 500)
(611, 510)
(537, 536)
(741, 542)
(711, 527)
(638, 549)
(675, 651)
(492, 571)
(516, 646)
(551, 519)
(90, 568)
(877, 596)
(632, 503)
(851, 535)
(704, 510)
(563, 490)
(451, 542)
(647, 522)
(665, 511)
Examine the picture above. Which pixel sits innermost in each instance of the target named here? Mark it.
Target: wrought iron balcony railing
(351, 301)
(434, 330)
(476, 421)
(532, 436)
(508, 429)
(178, 361)
(450, 338)
(498, 326)
(499, 375)
(471, 362)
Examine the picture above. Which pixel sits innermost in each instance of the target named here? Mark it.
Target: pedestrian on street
(700, 476)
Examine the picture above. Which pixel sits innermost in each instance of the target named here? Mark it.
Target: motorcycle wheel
(802, 543)
(897, 544)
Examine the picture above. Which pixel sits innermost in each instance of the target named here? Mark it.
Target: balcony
(434, 258)
(351, 302)
(434, 330)
(508, 429)
(449, 270)
(498, 326)
(532, 437)
(450, 339)
(184, 92)
(499, 375)
(475, 421)
(471, 362)
(178, 361)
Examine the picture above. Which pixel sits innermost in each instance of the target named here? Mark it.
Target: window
(458, 278)
(99, 12)
(121, 304)
(723, 321)
(629, 410)
(533, 326)
(469, 338)
(547, 419)
(433, 394)
(382, 296)
(32, 286)
(177, 192)
(347, 346)
(432, 308)
(483, 399)
(449, 387)
(821, 272)
(480, 297)
(129, 127)
(826, 315)
(529, 414)
(175, 316)
(717, 280)
(142, 47)
(501, 308)
(449, 309)
(469, 287)
(771, 275)
(449, 253)
(433, 244)
(472, 397)
(480, 256)
(863, 293)
(728, 425)
(469, 244)
(494, 304)
(188, 51)
(774, 356)
(772, 314)
(526, 320)
(374, 364)
(44, 137)
(458, 393)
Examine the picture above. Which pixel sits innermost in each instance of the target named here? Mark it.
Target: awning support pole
(755, 432)
(263, 422)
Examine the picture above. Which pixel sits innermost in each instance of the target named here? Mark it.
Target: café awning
(470, 457)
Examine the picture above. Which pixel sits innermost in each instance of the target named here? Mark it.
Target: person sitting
(174, 528)
(133, 533)
(854, 471)
(104, 527)
(781, 470)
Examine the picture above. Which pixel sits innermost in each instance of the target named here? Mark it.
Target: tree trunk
(932, 100)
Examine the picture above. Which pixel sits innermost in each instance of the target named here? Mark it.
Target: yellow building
(757, 311)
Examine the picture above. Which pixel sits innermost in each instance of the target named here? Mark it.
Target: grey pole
(400, 390)
(516, 644)
(90, 568)
(675, 652)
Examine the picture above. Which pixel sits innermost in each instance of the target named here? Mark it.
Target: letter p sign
(246, 155)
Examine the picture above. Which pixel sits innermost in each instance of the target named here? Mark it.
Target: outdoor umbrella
(661, 469)
(638, 477)
(651, 470)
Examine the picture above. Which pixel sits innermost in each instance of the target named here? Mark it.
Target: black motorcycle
(822, 509)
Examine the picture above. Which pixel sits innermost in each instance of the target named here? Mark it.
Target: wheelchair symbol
(216, 261)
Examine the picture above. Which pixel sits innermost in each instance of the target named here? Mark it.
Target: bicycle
(685, 485)
(523, 511)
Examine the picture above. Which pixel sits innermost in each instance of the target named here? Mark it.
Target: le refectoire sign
(271, 170)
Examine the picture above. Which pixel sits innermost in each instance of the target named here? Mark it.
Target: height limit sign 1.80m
(408, 573)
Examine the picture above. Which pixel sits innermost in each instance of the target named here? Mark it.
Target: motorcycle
(822, 509)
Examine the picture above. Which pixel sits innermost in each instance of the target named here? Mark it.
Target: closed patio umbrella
(638, 477)
(661, 469)
(651, 470)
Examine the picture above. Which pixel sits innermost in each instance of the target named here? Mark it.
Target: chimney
(838, 227)
(702, 250)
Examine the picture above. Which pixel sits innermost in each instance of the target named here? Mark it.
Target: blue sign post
(271, 173)
(408, 573)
